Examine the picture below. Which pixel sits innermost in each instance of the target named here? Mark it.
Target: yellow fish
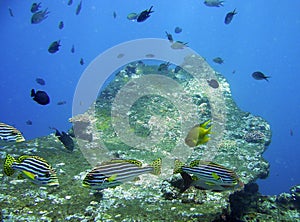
(198, 135)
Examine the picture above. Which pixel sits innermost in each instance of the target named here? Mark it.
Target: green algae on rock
(154, 130)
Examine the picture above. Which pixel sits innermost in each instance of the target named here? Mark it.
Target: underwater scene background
(129, 82)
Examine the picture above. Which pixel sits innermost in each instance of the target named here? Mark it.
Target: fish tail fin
(267, 78)
(7, 167)
(32, 93)
(177, 166)
(187, 181)
(156, 164)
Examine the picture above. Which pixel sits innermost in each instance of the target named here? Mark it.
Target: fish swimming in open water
(78, 9)
(260, 76)
(54, 47)
(144, 15)
(35, 7)
(39, 16)
(229, 17)
(213, 3)
(41, 97)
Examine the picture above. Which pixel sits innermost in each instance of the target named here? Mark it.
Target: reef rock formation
(152, 122)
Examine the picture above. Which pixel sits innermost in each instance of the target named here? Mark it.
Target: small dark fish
(177, 69)
(121, 55)
(291, 132)
(78, 9)
(178, 30)
(218, 60)
(132, 16)
(40, 81)
(179, 45)
(66, 139)
(35, 7)
(11, 12)
(229, 16)
(170, 37)
(29, 122)
(73, 49)
(233, 71)
(260, 76)
(114, 14)
(81, 61)
(144, 15)
(61, 25)
(70, 2)
(213, 3)
(213, 83)
(163, 67)
(150, 55)
(39, 16)
(61, 103)
(41, 97)
(54, 47)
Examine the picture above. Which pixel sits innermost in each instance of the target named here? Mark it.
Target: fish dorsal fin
(130, 161)
(23, 157)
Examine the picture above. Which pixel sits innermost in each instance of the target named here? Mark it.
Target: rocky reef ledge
(238, 143)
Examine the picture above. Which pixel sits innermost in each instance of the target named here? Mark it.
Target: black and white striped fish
(10, 133)
(117, 172)
(208, 175)
(34, 167)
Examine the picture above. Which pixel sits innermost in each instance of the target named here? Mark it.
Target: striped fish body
(116, 172)
(33, 167)
(212, 173)
(208, 175)
(9, 133)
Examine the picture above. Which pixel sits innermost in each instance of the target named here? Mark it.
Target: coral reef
(155, 128)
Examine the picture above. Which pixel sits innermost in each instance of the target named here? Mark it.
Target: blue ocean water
(262, 37)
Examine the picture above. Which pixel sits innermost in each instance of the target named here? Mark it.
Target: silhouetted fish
(218, 60)
(73, 49)
(66, 139)
(41, 97)
(70, 2)
(170, 37)
(260, 76)
(114, 14)
(178, 30)
(61, 25)
(35, 7)
(61, 103)
(29, 122)
(54, 47)
(39, 16)
(78, 9)
(229, 17)
(81, 61)
(40, 81)
(11, 12)
(144, 15)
